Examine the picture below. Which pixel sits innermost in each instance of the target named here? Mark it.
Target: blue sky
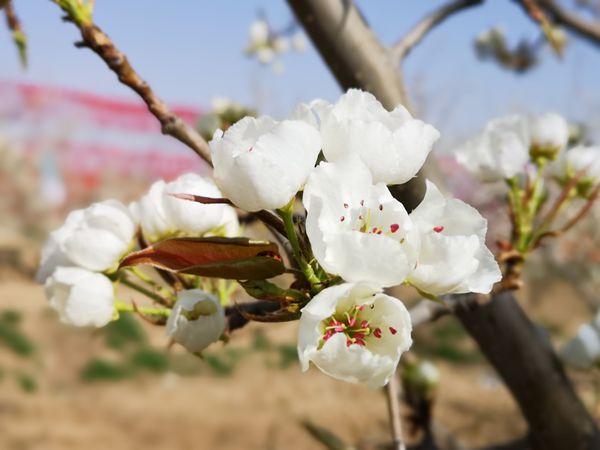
(191, 51)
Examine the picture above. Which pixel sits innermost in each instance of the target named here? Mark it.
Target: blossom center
(368, 221)
(352, 325)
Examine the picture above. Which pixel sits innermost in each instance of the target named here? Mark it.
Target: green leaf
(219, 257)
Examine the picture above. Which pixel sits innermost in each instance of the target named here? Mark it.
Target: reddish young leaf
(231, 258)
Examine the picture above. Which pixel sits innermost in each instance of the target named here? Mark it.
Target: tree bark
(357, 60)
(525, 360)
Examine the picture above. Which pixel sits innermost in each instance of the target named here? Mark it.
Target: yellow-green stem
(287, 215)
(147, 292)
(124, 307)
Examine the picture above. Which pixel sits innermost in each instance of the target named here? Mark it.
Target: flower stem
(147, 292)
(392, 391)
(124, 307)
(287, 214)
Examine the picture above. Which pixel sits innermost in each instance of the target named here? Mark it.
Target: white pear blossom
(453, 256)
(94, 238)
(161, 215)
(281, 44)
(299, 42)
(355, 333)
(261, 163)
(358, 230)
(81, 297)
(196, 321)
(265, 55)
(583, 351)
(53, 253)
(393, 145)
(500, 151)
(549, 134)
(258, 33)
(577, 159)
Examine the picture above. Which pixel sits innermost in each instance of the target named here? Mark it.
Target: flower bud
(196, 321)
(94, 238)
(549, 135)
(579, 159)
(500, 151)
(161, 215)
(81, 297)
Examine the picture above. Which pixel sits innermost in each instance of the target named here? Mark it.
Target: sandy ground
(257, 407)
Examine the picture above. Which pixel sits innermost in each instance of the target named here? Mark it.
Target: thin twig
(584, 28)
(392, 391)
(18, 35)
(573, 221)
(403, 47)
(265, 216)
(171, 124)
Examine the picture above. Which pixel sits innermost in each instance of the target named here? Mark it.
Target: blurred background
(71, 134)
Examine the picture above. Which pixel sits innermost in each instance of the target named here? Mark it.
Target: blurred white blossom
(583, 351)
(549, 135)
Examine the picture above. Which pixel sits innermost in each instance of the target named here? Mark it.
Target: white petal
(262, 164)
(82, 298)
(392, 145)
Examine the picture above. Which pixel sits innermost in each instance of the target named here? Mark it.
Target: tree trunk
(357, 60)
(525, 360)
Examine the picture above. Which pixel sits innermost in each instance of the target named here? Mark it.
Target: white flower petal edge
(549, 133)
(261, 163)
(392, 145)
(101, 236)
(358, 230)
(355, 333)
(577, 159)
(81, 297)
(196, 321)
(161, 215)
(53, 254)
(500, 151)
(453, 257)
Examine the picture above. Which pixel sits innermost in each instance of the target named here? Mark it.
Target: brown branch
(171, 124)
(403, 47)
(350, 48)
(14, 25)
(586, 29)
(392, 394)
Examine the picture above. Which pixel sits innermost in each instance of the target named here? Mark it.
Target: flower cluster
(265, 44)
(529, 154)
(79, 261)
(348, 241)
(358, 232)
